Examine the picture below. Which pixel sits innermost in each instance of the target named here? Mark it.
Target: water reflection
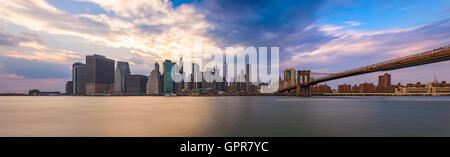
(224, 116)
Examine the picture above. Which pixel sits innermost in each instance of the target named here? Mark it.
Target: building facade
(384, 84)
(179, 86)
(154, 82)
(429, 88)
(69, 88)
(136, 84)
(168, 82)
(366, 88)
(320, 88)
(79, 78)
(99, 74)
(384, 80)
(120, 75)
(344, 88)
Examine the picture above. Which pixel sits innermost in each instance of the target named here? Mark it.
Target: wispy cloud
(23, 39)
(385, 44)
(352, 23)
(11, 76)
(61, 56)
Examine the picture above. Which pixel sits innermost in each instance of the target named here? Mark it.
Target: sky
(40, 39)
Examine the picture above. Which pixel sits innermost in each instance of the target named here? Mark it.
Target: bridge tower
(303, 76)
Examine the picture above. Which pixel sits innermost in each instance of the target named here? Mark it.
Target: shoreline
(314, 95)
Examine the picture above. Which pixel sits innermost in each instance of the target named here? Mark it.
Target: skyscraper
(179, 86)
(247, 77)
(225, 83)
(154, 83)
(79, 78)
(196, 77)
(99, 74)
(168, 82)
(136, 84)
(247, 73)
(122, 71)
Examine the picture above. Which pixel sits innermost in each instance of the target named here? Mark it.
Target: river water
(224, 116)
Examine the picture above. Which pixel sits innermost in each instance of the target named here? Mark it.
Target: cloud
(11, 76)
(374, 46)
(148, 26)
(59, 56)
(23, 39)
(254, 23)
(19, 46)
(352, 23)
(34, 69)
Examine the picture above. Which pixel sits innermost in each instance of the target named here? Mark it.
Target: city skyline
(127, 83)
(39, 47)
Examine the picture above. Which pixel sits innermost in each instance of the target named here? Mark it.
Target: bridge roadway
(433, 56)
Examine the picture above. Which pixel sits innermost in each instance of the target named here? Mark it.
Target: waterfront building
(79, 78)
(69, 88)
(344, 88)
(219, 85)
(37, 92)
(179, 86)
(247, 77)
(196, 77)
(384, 80)
(428, 88)
(136, 84)
(261, 88)
(154, 82)
(252, 88)
(167, 72)
(355, 88)
(367, 88)
(225, 83)
(384, 84)
(120, 75)
(320, 88)
(99, 74)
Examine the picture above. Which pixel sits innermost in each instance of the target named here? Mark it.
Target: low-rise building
(37, 92)
(344, 88)
(69, 88)
(428, 88)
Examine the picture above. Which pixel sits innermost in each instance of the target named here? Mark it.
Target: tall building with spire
(120, 75)
(435, 80)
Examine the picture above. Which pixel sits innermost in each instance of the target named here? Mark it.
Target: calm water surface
(224, 116)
